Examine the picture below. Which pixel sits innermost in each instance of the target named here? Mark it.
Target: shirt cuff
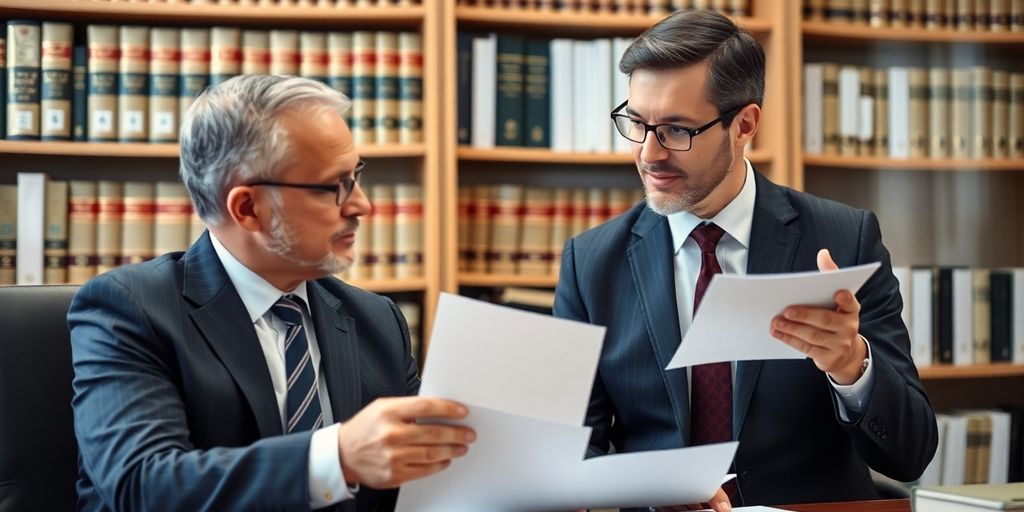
(326, 481)
(853, 398)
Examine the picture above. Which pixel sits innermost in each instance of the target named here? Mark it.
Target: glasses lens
(674, 138)
(629, 129)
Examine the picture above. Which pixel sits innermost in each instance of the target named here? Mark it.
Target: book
(968, 498)
(137, 223)
(382, 223)
(133, 93)
(410, 88)
(171, 217)
(195, 66)
(923, 284)
(1001, 320)
(561, 224)
(82, 211)
(881, 80)
(8, 234)
(413, 313)
(830, 108)
(480, 239)
(464, 86)
(562, 92)
(506, 228)
(537, 102)
(484, 92)
(813, 102)
(3, 82)
(1015, 131)
(918, 127)
(110, 211)
(960, 114)
(465, 221)
(255, 52)
(313, 56)
(339, 66)
(55, 234)
(364, 90)
(284, 52)
(79, 93)
(23, 80)
(537, 213)
(31, 227)
(55, 94)
(386, 88)
(509, 100)
(164, 71)
(981, 112)
(982, 315)
(963, 317)
(938, 112)
(104, 47)
(1000, 113)
(225, 53)
(528, 299)
(408, 230)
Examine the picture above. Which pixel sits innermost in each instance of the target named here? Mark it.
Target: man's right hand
(382, 446)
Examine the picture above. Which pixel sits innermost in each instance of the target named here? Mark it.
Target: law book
(55, 235)
(79, 93)
(465, 219)
(537, 215)
(1017, 15)
(195, 66)
(464, 86)
(999, 461)
(904, 276)
(8, 234)
(830, 108)
(528, 299)
(110, 212)
(599, 88)
(82, 218)
(55, 94)
(3, 83)
(313, 56)
(225, 53)
(561, 224)
(386, 87)
(999, 16)
(961, 114)
(866, 113)
(923, 284)
(860, 11)
(849, 98)
(31, 227)
(949, 14)
(480, 237)
(878, 15)
(939, 102)
(363, 258)
(164, 66)
(382, 223)
(979, 438)
(942, 351)
(580, 211)
(537, 102)
(562, 93)
(133, 93)
(339, 66)
(963, 317)
(1015, 130)
(408, 230)
(506, 228)
(284, 52)
(964, 15)
(104, 49)
(364, 90)
(410, 87)
(982, 15)
(23, 79)
(918, 127)
(839, 11)
(1001, 321)
(171, 217)
(881, 80)
(954, 450)
(981, 112)
(1000, 114)
(485, 50)
(982, 315)
(813, 103)
(934, 15)
(137, 223)
(255, 52)
(597, 206)
(510, 81)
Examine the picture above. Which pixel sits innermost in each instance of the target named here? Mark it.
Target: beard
(282, 243)
(695, 187)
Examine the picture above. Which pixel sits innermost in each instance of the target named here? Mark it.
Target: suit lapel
(772, 247)
(222, 319)
(651, 263)
(338, 356)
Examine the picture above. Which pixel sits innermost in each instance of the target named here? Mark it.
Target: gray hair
(735, 59)
(233, 134)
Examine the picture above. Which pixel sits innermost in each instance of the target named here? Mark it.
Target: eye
(636, 123)
(677, 131)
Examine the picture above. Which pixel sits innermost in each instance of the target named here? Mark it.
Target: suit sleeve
(569, 304)
(896, 433)
(131, 426)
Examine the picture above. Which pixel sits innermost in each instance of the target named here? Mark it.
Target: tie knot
(707, 236)
(289, 308)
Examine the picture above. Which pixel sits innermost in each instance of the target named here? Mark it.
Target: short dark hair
(735, 59)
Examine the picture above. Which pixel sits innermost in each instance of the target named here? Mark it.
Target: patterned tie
(711, 384)
(303, 400)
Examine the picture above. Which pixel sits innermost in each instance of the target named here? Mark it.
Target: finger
(425, 455)
(819, 318)
(432, 434)
(825, 263)
(847, 302)
(416, 407)
(808, 333)
(720, 501)
(417, 471)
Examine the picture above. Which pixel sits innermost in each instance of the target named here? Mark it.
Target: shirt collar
(256, 293)
(736, 218)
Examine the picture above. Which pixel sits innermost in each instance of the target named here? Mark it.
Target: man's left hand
(829, 337)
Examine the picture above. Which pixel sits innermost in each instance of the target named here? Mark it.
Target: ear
(746, 123)
(244, 210)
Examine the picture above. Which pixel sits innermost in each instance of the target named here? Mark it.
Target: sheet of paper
(734, 319)
(511, 360)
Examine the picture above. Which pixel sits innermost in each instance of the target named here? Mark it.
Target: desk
(852, 506)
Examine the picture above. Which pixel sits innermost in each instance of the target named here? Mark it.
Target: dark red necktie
(710, 384)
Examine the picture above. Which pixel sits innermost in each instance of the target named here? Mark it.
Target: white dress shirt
(326, 482)
(736, 220)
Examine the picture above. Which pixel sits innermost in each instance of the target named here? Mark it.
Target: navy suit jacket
(793, 445)
(173, 403)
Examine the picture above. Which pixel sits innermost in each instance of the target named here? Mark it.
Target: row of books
(134, 83)
(899, 112)
(963, 15)
(635, 7)
(68, 232)
(518, 230)
(977, 447)
(280, 3)
(963, 316)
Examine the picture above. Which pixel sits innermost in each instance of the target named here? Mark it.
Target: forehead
(670, 92)
(321, 137)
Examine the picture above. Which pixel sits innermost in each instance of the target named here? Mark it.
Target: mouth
(660, 179)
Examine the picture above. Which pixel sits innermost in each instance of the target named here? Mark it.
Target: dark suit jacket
(793, 445)
(174, 407)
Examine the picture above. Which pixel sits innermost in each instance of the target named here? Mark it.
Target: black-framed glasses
(342, 190)
(671, 136)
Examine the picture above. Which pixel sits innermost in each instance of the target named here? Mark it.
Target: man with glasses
(240, 375)
(808, 430)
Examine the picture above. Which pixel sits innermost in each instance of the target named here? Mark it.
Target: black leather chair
(38, 452)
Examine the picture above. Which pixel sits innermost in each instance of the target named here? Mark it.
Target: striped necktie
(303, 406)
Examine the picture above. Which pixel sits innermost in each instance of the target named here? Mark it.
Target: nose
(651, 149)
(357, 204)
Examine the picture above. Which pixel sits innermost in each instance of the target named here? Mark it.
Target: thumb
(825, 262)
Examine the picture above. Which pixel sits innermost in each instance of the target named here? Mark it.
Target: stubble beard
(697, 189)
(282, 244)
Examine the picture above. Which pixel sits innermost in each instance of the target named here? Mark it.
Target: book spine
(195, 66)
(55, 96)
(1000, 114)
(537, 214)
(383, 226)
(982, 315)
(164, 80)
(509, 102)
(1015, 131)
(981, 114)
(133, 93)
(339, 66)
(171, 218)
(79, 93)
(866, 115)
(982, 15)
(1017, 15)
(31, 227)
(938, 112)
(1001, 321)
(410, 88)
(23, 80)
(999, 16)
(137, 223)
(813, 102)
(255, 52)
(537, 111)
(55, 237)
(3, 83)
(386, 88)
(919, 93)
(8, 234)
(580, 211)
(561, 223)
(82, 211)
(110, 211)
(364, 92)
(313, 56)
(466, 211)
(104, 54)
(464, 71)
(881, 81)
(830, 108)
(597, 207)
(505, 214)
(225, 53)
(284, 52)
(944, 317)
(408, 230)
(481, 236)
(960, 114)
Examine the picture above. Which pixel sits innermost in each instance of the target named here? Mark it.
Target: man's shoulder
(611, 230)
(813, 207)
(160, 276)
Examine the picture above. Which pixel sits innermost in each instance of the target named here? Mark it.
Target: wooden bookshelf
(544, 155)
(843, 32)
(497, 280)
(993, 370)
(912, 164)
(143, 150)
(570, 23)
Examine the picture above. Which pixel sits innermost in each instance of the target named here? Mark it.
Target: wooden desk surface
(853, 506)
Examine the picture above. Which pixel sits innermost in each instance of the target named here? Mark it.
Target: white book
(562, 94)
(813, 101)
(999, 461)
(485, 53)
(899, 112)
(601, 82)
(1018, 315)
(31, 205)
(921, 335)
(620, 91)
(849, 102)
(963, 317)
(954, 451)
(582, 60)
(933, 472)
(866, 119)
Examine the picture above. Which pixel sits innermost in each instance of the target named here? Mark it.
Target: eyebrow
(678, 118)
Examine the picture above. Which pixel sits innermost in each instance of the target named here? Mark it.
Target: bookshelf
(169, 151)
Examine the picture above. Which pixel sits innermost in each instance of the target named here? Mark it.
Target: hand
(382, 446)
(719, 503)
(829, 337)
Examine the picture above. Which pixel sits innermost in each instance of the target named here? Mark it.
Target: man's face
(308, 229)
(676, 181)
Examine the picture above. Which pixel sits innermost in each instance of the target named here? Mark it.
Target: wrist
(853, 369)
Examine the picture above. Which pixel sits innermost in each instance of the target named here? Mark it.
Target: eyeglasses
(670, 136)
(342, 190)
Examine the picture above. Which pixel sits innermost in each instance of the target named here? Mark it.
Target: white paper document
(733, 322)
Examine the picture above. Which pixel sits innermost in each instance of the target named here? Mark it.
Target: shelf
(178, 11)
(143, 150)
(507, 280)
(574, 23)
(417, 284)
(543, 155)
(972, 372)
(912, 164)
(842, 32)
